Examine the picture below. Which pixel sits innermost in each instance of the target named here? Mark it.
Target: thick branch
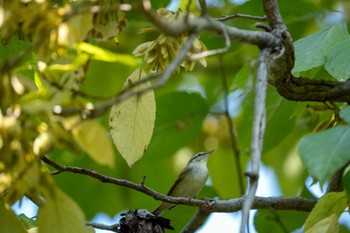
(273, 15)
(261, 39)
(306, 89)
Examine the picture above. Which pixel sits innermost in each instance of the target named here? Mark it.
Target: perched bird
(190, 181)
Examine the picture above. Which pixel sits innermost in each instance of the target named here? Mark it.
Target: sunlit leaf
(328, 205)
(327, 225)
(60, 214)
(325, 152)
(132, 121)
(311, 51)
(9, 222)
(93, 138)
(76, 63)
(105, 55)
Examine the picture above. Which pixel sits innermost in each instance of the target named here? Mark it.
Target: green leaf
(179, 120)
(60, 214)
(325, 152)
(337, 60)
(278, 221)
(93, 139)
(105, 55)
(9, 222)
(328, 205)
(346, 182)
(327, 225)
(27, 222)
(278, 110)
(345, 114)
(12, 48)
(311, 51)
(132, 121)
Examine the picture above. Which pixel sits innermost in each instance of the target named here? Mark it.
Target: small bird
(190, 181)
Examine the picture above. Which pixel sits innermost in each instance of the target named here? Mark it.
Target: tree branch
(273, 15)
(257, 134)
(244, 16)
(101, 108)
(231, 205)
(208, 24)
(196, 221)
(113, 227)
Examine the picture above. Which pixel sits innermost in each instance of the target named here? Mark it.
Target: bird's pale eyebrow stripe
(197, 155)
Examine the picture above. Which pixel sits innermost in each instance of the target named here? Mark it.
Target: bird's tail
(162, 207)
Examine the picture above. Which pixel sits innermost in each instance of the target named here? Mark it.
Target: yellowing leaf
(93, 139)
(9, 222)
(132, 121)
(329, 204)
(105, 55)
(326, 225)
(89, 229)
(60, 214)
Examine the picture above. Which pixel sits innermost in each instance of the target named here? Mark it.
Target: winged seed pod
(161, 51)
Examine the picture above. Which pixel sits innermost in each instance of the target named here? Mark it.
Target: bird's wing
(179, 178)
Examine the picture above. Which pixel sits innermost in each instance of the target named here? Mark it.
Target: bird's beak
(209, 152)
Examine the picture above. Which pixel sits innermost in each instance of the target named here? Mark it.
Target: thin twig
(234, 144)
(237, 15)
(113, 227)
(257, 134)
(215, 51)
(231, 205)
(125, 183)
(101, 108)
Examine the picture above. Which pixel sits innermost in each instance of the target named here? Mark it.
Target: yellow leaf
(330, 203)
(93, 139)
(132, 121)
(9, 222)
(326, 225)
(60, 214)
(89, 229)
